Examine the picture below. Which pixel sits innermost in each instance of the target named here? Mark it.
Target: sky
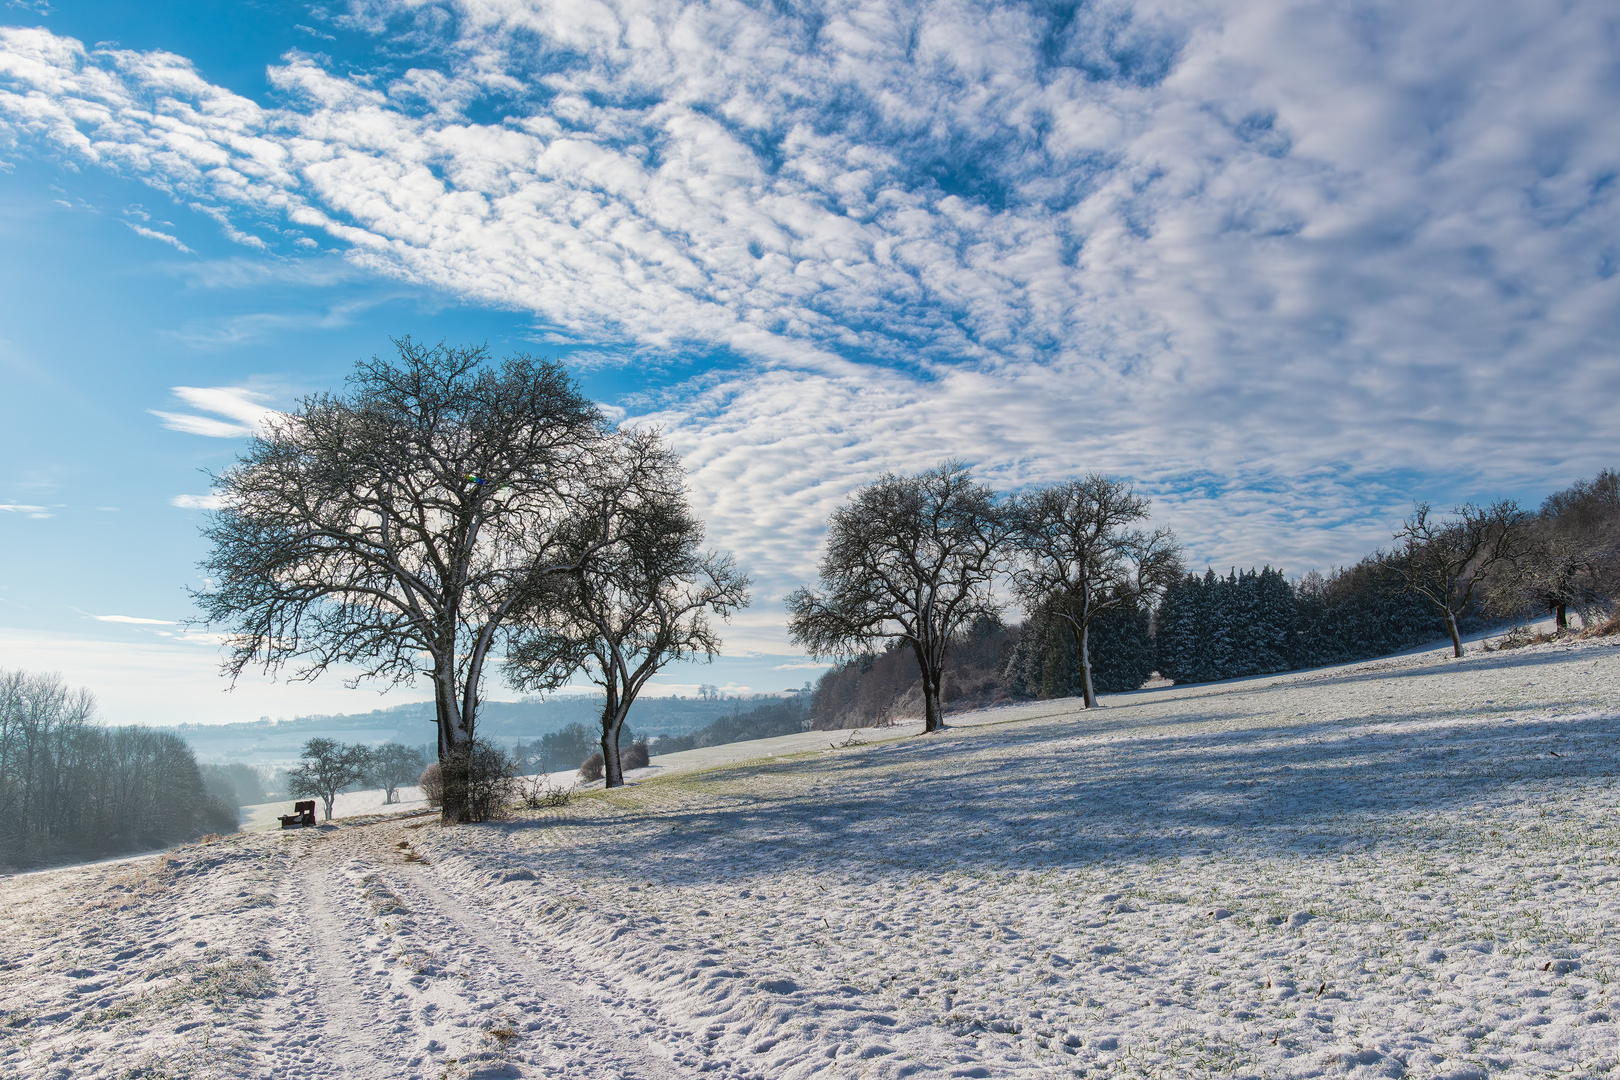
(1288, 267)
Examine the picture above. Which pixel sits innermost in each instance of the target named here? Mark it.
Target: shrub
(591, 767)
(432, 784)
(636, 757)
(542, 795)
(478, 782)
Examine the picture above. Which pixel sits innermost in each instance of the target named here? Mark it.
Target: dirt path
(393, 969)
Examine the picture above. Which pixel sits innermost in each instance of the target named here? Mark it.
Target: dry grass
(1520, 636)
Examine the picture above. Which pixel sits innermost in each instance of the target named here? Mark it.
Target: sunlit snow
(1403, 867)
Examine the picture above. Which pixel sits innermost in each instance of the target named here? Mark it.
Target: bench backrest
(304, 807)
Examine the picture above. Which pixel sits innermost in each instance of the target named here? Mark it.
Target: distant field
(1403, 867)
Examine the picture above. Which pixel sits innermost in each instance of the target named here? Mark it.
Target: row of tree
(915, 559)
(327, 768)
(444, 511)
(768, 719)
(910, 562)
(73, 789)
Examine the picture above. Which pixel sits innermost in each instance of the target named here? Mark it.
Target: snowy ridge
(1406, 868)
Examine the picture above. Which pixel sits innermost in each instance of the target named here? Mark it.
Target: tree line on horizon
(72, 789)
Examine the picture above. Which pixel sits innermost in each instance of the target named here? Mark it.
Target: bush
(541, 795)
(1607, 628)
(432, 784)
(636, 757)
(479, 781)
(591, 767)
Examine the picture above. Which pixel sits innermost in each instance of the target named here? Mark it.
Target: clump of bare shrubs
(432, 785)
(478, 783)
(1607, 628)
(634, 756)
(1520, 636)
(541, 794)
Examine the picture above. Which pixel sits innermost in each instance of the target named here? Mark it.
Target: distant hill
(278, 742)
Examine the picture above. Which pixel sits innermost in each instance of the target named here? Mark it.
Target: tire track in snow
(334, 1010)
(581, 1034)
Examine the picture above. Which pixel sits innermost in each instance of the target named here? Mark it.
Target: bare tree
(1083, 558)
(397, 528)
(392, 767)
(910, 558)
(71, 788)
(1445, 562)
(1571, 557)
(638, 596)
(326, 768)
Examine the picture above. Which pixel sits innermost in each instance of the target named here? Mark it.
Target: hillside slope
(1402, 867)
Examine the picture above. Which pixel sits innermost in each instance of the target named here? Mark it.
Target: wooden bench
(303, 814)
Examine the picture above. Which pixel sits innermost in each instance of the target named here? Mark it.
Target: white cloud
(133, 620)
(154, 234)
(197, 502)
(1288, 266)
(26, 510)
(246, 416)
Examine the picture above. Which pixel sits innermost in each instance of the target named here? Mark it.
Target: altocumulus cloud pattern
(1297, 258)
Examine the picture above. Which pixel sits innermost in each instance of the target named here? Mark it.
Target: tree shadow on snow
(1040, 797)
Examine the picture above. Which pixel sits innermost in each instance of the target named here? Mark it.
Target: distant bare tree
(1445, 562)
(392, 767)
(1082, 557)
(638, 596)
(910, 558)
(400, 526)
(326, 768)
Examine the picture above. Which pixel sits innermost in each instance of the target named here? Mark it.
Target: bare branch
(637, 592)
(910, 558)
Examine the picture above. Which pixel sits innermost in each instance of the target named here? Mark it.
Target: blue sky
(1289, 266)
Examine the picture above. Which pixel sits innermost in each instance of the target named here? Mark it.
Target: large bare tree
(1445, 562)
(639, 593)
(1082, 556)
(910, 558)
(397, 527)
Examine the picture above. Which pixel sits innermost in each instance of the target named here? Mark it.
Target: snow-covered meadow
(1402, 868)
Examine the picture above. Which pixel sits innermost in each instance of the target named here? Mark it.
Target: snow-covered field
(1401, 868)
(266, 817)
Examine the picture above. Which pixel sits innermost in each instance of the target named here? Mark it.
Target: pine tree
(1122, 649)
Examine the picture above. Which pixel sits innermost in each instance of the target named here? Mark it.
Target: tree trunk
(1451, 628)
(1561, 617)
(1087, 691)
(612, 769)
(932, 679)
(933, 714)
(455, 745)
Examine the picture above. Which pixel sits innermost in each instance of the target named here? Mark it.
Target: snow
(266, 817)
(1405, 867)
